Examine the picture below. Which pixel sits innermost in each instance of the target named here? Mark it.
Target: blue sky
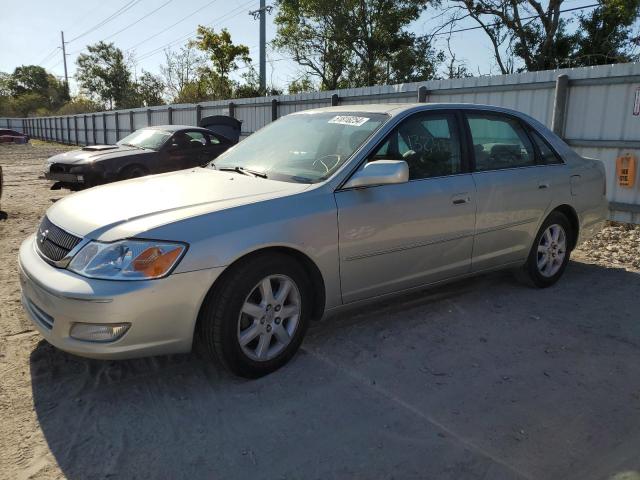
(30, 34)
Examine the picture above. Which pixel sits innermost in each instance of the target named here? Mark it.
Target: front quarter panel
(305, 222)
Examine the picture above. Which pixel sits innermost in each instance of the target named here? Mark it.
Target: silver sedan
(317, 211)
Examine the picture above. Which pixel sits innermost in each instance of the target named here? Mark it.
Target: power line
(49, 56)
(521, 18)
(139, 20)
(227, 16)
(115, 14)
(172, 25)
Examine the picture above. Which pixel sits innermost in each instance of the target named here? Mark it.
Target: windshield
(306, 147)
(146, 138)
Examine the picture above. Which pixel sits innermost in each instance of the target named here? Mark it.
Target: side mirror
(380, 172)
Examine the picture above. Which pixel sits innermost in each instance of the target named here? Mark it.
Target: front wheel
(550, 252)
(255, 320)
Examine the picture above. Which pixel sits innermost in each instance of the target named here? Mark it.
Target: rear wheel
(255, 320)
(550, 252)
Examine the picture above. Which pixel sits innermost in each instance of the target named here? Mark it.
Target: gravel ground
(617, 245)
(481, 379)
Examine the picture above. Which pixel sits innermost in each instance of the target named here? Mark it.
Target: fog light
(95, 332)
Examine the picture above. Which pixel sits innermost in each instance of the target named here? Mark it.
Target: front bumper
(66, 177)
(162, 312)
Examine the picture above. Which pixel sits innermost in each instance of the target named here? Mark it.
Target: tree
(44, 91)
(104, 74)
(301, 85)
(224, 56)
(149, 89)
(251, 86)
(355, 42)
(604, 35)
(78, 105)
(180, 69)
(316, 34)
(536, 34)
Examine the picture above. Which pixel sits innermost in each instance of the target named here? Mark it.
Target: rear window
(499, 142)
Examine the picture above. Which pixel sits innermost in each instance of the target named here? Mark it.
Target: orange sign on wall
(626, 170)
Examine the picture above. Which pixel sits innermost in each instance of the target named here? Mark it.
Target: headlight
(127, 259)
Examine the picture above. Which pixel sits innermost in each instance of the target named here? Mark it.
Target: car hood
(96, 153)
(124, 209)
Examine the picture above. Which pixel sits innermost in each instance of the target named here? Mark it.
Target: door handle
(460, 199)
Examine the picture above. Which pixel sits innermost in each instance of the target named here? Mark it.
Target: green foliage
(355, 42)
(149, 89)
(604, 35)
(301, 85)
(30, 89)
(543, 41)
(224, 56)
(104, 74)
(79, 105)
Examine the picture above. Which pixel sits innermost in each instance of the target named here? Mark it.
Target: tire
(133, 171)
(239, 308)
(550, 252)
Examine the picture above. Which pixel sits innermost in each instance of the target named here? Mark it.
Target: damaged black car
(146, 151)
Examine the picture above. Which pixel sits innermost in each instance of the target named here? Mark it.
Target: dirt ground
(482, 379)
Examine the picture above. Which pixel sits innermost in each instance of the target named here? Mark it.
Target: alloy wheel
(269, 317)
(552, 250)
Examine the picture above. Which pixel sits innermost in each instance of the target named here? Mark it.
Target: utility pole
(261, 13)
(64, 60)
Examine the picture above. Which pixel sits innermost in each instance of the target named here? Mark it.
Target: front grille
(59, 168)
(53, 242)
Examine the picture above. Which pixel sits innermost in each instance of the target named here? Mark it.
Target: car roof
(399, 108)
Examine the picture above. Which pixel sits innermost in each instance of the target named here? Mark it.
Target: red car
(11, 136)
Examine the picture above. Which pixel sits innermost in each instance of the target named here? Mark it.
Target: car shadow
(355, 402)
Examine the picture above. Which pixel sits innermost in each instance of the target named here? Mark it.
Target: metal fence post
(75, 129)
(148, 117)
(422, 94)
(104, 128)
(93, 127)
(232, 110)
(117, 120)
(130, 121)
(560, 104)
(170, 115)
(335, 100)
(274, 109)
(198, 114)
(69, 130)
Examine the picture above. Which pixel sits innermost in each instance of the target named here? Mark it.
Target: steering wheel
(321, 160)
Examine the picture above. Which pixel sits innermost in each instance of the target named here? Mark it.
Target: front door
(394, 237)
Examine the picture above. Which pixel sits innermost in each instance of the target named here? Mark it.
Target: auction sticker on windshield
(349, 120)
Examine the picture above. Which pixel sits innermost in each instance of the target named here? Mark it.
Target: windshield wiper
(242, 170)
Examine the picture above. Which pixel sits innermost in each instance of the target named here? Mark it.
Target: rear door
(394, 237)
(513, 189)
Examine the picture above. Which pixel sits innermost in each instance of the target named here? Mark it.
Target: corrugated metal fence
(595, 109)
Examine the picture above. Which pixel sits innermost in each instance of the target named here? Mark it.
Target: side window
(499, 142)
(429, 143)
(196, 139)
(548, 156)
